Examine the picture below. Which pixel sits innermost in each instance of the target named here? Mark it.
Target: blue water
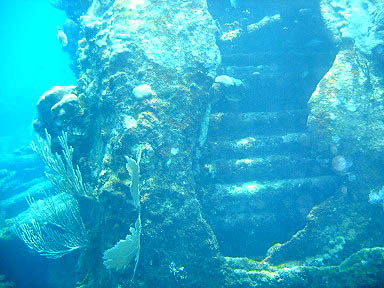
(32, 62)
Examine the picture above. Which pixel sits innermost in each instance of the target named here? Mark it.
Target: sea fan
(120, 255)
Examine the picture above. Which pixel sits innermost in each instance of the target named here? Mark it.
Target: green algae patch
(362, 269)
(365, 266)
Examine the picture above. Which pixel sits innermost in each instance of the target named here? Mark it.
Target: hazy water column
(31, 62)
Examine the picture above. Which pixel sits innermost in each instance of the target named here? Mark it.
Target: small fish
(62, 37)
(233, 3)
(304, 11)
(314, 43)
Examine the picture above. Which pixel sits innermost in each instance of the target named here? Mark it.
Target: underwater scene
(192, 143)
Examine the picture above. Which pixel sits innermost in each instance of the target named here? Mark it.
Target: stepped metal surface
(259, 174)
(257, 123)
(245, 215)
(257, 196)
(263, 168)
(258, 145)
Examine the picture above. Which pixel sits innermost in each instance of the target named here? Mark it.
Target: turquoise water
(32, 62)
